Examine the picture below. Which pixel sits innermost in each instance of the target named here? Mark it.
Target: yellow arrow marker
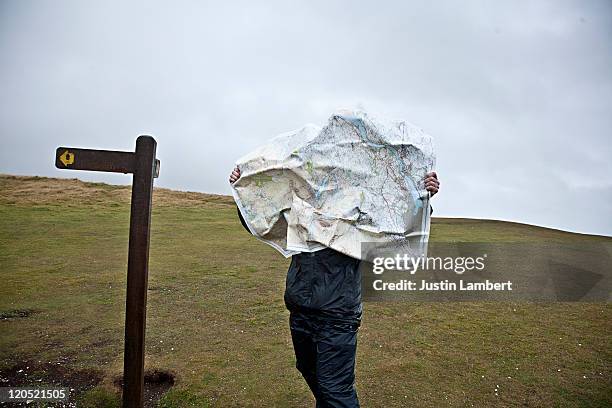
(67, 158)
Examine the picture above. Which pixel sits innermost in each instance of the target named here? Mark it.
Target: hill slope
(216, 318)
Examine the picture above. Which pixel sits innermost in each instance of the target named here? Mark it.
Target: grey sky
(518, 95)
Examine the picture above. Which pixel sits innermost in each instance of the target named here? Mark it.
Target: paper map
(356, 180)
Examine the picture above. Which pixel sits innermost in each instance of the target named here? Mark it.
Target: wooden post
(145, 167)
(138, 272)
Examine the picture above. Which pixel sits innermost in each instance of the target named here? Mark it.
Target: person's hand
(431, 183)
(234, 176)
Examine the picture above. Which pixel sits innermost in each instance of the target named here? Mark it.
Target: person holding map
(323, 296)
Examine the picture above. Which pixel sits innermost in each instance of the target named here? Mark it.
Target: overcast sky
(517, 95)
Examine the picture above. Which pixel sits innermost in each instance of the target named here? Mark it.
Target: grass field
(217, 323)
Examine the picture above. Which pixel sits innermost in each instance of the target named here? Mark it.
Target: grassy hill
(217, 324)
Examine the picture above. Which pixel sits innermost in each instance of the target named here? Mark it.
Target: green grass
(99, 398)
(217, 319)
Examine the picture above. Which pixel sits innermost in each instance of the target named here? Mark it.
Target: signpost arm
(137, 275)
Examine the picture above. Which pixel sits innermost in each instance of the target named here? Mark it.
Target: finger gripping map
(356, 180)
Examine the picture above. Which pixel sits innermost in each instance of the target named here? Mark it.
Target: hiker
(323, 296)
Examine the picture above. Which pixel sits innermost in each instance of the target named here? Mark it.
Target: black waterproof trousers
(323, 295)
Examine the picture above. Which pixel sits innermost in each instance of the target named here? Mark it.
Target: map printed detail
(356, 180)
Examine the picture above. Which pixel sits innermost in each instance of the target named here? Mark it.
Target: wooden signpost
(145, 167)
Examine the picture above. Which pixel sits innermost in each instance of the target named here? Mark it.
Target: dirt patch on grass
(16, 314)
(31, 373)
(157, 383)
(46, 373)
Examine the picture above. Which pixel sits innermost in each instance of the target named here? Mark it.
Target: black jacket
(324, 283)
